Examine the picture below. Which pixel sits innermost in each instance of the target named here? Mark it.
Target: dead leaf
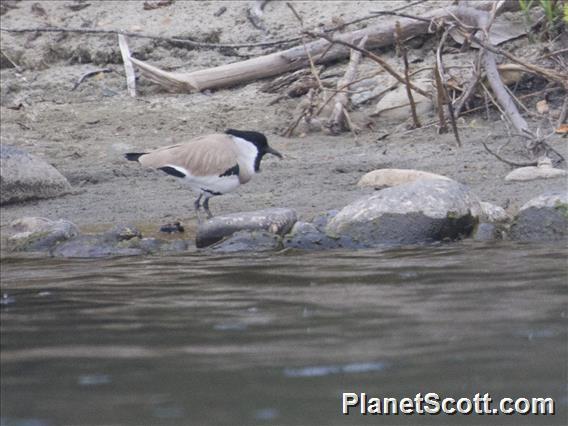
(542, 107)
(563, 129)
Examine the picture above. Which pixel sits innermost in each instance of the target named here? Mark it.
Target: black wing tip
(172, 171)
(235, 170)
(133, 156)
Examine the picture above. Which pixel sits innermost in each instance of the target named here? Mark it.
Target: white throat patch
(246, 153)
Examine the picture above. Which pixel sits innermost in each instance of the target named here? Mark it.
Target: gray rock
(493, 214)
(544, 218)
(277, 221)
(94, 246)
(418, 212)
(246, 240)
(39, 234)
(306, 236)
(321, 220)
(25, 177)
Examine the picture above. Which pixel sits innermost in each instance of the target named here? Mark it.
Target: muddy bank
(85, 132)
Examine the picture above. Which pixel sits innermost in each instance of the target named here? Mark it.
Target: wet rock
(277, 221)
(321, 220)
(492, 214)
(306, 236)
(387, 178)
(418, 212)
(247, 240)
(157, 246)
(39, 234)
(123, 233)
(544, 218)
(544, 170)
(25, 177)
(95, 246)
(485, 232)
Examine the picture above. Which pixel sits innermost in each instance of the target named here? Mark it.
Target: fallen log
(292, 59)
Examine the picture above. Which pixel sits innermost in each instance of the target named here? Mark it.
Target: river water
(276, 339)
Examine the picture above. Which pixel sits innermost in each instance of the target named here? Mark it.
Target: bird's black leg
(206, 208)
(197, 205)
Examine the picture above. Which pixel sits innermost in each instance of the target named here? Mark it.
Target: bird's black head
(258, 140)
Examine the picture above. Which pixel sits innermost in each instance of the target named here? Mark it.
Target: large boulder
(24, 177)
(39, 234)
(418, 212)
(544, 218)
(277, 221)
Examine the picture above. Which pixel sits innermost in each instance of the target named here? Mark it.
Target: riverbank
(85, 132)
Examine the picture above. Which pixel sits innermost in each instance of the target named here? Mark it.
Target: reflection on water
(276, 338)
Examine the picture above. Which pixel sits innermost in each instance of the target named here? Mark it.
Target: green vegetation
(555, 15)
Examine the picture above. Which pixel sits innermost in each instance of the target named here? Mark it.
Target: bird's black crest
(133, 156)
(232, 171)
(172, 171)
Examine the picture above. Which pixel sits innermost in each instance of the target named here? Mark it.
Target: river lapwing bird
(212, 164)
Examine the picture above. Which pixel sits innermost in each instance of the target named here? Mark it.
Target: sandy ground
(84, 132)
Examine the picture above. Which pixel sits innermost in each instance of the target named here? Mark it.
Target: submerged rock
(39, 234)
(544, 218)
(386, 178)
(277, 221)
(306, 236)
(94, 246)
(246, 240)
(485, 232)
(25, 177)
(422, 211)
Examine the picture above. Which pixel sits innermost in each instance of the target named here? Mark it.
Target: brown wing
(206, 155)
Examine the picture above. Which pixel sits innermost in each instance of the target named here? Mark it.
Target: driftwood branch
(339, 117)
(379, 35)
(128, 68)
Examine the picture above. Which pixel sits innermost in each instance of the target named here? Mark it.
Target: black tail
(134, 156)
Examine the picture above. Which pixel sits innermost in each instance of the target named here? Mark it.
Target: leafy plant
(554, 13)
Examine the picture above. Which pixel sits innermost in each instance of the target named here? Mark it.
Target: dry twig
(404, 54)
(89, 74)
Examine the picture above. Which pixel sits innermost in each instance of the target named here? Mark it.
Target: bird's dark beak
(272, 151)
